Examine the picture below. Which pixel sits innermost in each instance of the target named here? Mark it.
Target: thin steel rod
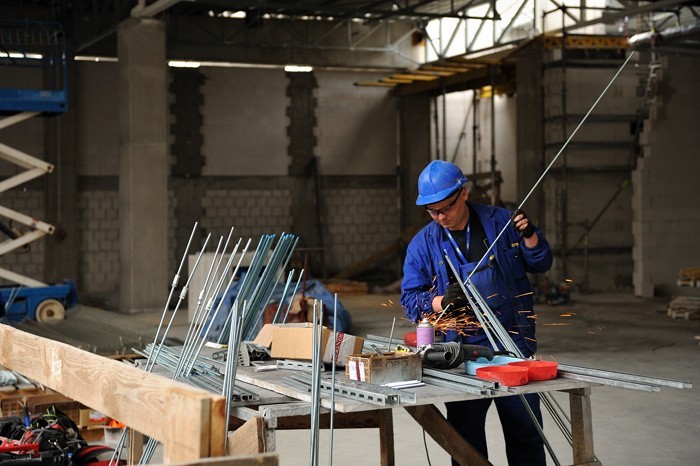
(191, 352)
(218, 308)
(195, 315)
(284, 294)
(556, 157)
(333, 362)
(291, 298)
(181, 298)
(174, 283)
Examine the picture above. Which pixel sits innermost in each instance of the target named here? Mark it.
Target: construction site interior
(198, 198)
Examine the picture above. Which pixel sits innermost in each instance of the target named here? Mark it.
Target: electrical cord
(425, 444)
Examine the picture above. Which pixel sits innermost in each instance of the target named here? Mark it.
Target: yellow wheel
(50, 310)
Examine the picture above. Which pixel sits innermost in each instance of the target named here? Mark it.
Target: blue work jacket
(501, 278)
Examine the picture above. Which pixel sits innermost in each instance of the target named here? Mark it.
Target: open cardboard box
(295, 341)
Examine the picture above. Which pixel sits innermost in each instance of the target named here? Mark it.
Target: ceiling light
(298, 69)
(184, 64)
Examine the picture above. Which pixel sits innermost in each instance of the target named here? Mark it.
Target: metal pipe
(333, 362)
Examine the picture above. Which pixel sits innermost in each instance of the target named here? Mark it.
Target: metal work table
(284, 406)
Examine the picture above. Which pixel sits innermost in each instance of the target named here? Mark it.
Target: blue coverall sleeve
(418, 285)
(538, 259)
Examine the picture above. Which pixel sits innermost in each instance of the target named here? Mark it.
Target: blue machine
(43, 304)
(39, 45)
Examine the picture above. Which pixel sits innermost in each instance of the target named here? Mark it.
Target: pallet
(684, 307)
(689, 276)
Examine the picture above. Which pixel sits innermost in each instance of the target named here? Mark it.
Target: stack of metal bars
(235, 325)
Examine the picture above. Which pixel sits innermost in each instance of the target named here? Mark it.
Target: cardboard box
(391, 367)
(295, 341)
(89, 417)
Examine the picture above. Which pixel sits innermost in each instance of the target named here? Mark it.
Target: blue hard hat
(438, 181)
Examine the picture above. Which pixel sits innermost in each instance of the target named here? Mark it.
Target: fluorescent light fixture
(96, 59)
(298, 69)
(184, 64)
(34, 56)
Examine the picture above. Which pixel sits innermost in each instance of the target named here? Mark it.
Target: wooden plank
(247, 439)
(581, 426)
(431, 419)
(171, 412)
(195, 431)
(265, 459)
(218, 427)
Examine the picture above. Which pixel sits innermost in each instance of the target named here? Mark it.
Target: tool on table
(451, 354)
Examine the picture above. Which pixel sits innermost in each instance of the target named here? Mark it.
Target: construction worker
(464, 231)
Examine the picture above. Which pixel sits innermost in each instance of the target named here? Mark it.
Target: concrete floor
(606, 331)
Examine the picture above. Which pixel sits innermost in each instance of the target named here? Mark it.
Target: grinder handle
(477, 351)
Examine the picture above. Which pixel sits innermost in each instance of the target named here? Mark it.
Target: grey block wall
(244, 180)
(359, 223)
(666, 215)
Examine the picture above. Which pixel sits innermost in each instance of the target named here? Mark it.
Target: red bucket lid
(510, 376)
(538, 370)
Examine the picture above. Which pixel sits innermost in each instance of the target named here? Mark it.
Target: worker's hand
(521, 222)
(454, 297)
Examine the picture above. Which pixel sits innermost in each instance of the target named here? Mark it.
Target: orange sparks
(531, 339)
(569, 280)
(489, 297)
(567, 314)
(557, 325)
(524, 294)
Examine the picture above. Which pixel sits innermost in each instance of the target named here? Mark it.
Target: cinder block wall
(666, 215)
(244, 177)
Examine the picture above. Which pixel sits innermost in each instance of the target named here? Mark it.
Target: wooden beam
(248, 439)
(431, 419)
(178, 415)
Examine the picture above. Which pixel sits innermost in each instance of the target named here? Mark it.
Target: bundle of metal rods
(255, 290)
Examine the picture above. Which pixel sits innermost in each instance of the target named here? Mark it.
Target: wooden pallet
(684, 307)
(689, 276)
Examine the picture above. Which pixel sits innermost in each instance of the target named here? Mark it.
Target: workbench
(281, 405)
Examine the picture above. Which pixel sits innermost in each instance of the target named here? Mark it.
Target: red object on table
(410, 339)
(510, 376)
(538, 370)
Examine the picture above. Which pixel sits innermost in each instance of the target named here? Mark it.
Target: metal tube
(333, 362)
(294, 293)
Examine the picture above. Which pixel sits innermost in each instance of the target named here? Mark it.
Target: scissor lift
(39, 45)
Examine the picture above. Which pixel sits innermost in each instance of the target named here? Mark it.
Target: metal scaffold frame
(33, 168)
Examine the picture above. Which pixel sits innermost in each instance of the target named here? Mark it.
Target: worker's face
(450, 213)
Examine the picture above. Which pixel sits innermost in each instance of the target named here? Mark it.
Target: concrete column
(529, 121)
(143, 165)
(414, 152)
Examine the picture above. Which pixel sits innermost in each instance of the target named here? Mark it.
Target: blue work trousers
(524, 446)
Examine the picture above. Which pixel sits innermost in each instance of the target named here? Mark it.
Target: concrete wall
(244, 180)
(666, 215)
